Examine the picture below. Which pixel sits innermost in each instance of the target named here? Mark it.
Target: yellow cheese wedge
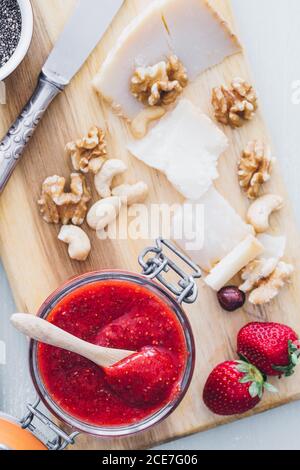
(189, 29)
(234, 262)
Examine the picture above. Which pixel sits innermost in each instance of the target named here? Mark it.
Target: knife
(82, 33)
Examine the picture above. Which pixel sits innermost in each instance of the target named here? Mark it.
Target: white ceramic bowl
(24, 42)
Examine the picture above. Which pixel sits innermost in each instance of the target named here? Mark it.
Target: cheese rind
(186, 146)
(190, 29)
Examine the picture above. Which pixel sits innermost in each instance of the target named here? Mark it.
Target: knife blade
(72, 48)
(82, 33)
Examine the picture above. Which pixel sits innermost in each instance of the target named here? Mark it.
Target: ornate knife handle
(18, 136)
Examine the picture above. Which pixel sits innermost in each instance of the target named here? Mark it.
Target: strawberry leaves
(243, 367)
(294, 360)
(255, 378)
(270, 388)
(256, 390)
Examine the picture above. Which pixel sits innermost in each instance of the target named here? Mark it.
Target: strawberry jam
(124, 315)
(147, 376)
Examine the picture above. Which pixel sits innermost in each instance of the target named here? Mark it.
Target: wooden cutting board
(37, 263)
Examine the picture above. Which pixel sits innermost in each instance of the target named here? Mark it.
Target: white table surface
(270, 30)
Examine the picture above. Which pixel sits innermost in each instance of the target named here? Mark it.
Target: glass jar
(172, 294)
(160, 292)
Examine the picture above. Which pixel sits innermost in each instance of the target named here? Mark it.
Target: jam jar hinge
(186, 289)
(61, 439)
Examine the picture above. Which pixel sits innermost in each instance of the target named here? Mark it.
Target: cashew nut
(260, 211)
(103, 213)
(140, 124)
(78, 241)
(103, 179)
(131, 194)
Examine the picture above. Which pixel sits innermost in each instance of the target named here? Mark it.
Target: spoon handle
(45, 332)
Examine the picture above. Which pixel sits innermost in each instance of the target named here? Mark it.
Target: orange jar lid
(13, 437)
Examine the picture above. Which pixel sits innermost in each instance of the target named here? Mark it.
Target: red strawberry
(273, 348)
(234, 387)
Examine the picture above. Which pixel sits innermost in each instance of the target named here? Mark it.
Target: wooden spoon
(43, 331)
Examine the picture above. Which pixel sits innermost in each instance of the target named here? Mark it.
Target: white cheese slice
(234, 262)
(220, 230)
(186, 146)
(190, 29)
(274, 247)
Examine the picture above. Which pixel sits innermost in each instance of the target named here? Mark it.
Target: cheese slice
(234, 262)
(221, 229)
(186, 146)
(274, 247)
(188, 28)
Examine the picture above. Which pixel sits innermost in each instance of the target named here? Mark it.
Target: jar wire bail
(154, 267)
(61, 439)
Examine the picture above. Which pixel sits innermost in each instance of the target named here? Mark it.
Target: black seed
(10, 29)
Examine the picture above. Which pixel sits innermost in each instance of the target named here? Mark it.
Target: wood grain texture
(37, 263)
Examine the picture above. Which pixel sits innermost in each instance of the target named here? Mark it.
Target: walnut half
(160, 84)
(233, 106)
(88, 154)
(57, 206)
(269, 288)
(255, 167)
(256, 272)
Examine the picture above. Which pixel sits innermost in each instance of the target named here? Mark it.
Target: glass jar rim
(157, 417)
